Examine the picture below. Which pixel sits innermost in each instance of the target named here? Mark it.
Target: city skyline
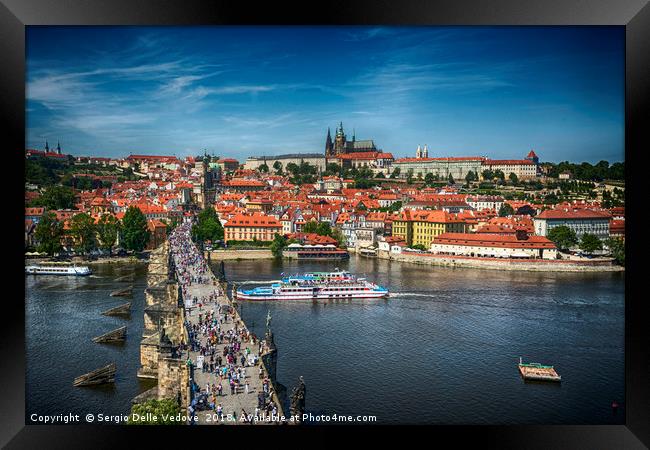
(261, 91)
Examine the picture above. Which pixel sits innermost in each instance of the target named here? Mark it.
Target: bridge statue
(298, 400)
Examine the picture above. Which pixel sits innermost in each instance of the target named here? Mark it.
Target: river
(443, 349)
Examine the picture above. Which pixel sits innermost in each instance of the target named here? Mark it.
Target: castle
(341, 145)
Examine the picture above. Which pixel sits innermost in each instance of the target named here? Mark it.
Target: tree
(616, 248)
(82, 228)
(487, 175)
(471, 176)
(165, 412)
(513, 178)
(590, 243)
(339, 236)
(506, 210)
(428, 179)
(419, 247)
(310, 227)
(208, 226)
(135, 233)
(395, 173)
(56, 197)
(324, 229)
(292, 168)
(278, 245)
(264, 168)
(278, 167)
(409, 176)
(450, 179)
(563, 237)
(48, 234)
(332, 169)
(108, 228)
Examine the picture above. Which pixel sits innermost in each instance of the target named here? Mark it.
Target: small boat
(337, 285)
(54, 268)
(538, 372)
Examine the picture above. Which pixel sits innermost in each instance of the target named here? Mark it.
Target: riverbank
(96, 262)
(598, 265)
(231, 254)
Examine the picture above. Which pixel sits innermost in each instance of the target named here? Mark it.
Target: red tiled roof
(493, 240)
(34, 211)
(449, 159)
(255, 220)
(506, 162)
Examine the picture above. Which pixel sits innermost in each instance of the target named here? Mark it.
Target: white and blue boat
(337, 285)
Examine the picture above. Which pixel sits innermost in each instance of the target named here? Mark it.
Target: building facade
(314, 159)
(248, 227)
(519, 246)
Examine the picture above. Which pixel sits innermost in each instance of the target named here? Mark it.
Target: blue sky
(242, 91)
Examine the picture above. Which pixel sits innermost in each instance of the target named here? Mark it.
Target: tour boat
(57, 269)
(337, 285)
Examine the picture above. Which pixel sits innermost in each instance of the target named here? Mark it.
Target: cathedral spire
(58, 147)
(47, 147)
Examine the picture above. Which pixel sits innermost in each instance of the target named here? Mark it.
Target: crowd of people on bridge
(221, 343)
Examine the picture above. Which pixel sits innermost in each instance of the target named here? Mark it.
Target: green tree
(395, 173)
(428, 179)
(208, 226)
(339, 236)
(277, 166)
(513, 178)
(135, 233)
(108, 228)
(563, 237)
(616, 247)
(590, 243)
(419, 247)
(164, 411)
(310, 227)
(471, 176)
(450, 179)
(82, 228)
(56, 197)
(48, 234)
(264, 168)
(488, 175)
(278, 245)
(332, 169)
(506, 210)
(324, 229)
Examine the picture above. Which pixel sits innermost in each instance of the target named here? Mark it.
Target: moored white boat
(57, 269)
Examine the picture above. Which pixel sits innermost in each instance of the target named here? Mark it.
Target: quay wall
(240, 254)
(504, 264)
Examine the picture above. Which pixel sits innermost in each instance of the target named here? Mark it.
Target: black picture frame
(633, 14)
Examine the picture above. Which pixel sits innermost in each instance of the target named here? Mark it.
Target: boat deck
(538, 372)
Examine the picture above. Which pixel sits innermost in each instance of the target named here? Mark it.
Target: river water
(443, 349)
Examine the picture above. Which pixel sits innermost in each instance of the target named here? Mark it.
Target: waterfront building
(157, 233)
(421, 226)
(246, 227)
(581, 220)
(314, 159)
(519, 245)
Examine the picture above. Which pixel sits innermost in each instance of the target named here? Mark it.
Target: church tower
(58, 147)
(339, 140)
(418, 153)
(329, 146)
(47, 147)
(425, 152)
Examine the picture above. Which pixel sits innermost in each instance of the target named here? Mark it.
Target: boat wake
(408, 294)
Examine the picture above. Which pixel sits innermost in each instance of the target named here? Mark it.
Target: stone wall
(505, 264)
(241, 254)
